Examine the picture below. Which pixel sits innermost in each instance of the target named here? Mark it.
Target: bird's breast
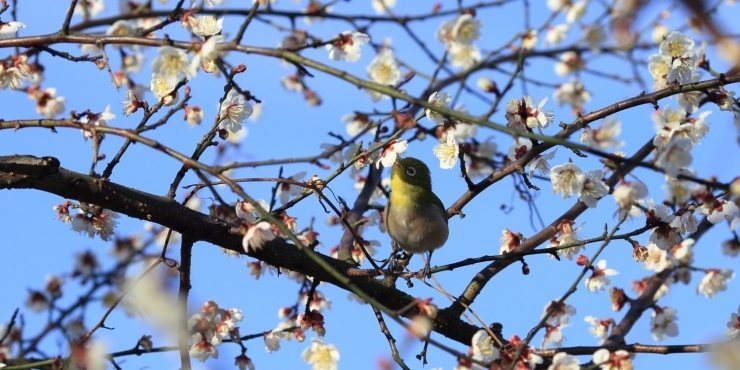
(417, 229)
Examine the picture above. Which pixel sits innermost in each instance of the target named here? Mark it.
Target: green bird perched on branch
(414, 216)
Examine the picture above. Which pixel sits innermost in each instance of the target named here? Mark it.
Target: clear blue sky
(36, 244)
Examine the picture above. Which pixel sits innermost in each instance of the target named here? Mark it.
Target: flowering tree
(471, 96)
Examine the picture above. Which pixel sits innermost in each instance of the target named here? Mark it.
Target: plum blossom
(96, 119)
(462, 30)
(464, 56)
(486, 84)
(658, 66)
(677, 53)
(483, 348)
(390, 152)
(714, 280)
(663, 323)
(163, 88)
(540, 162)
(483, 152)
(438, 99)
(576, 11)
(598, 278)
(566, 179)
(92, 220)
(510, 240)
(627, 194)
(347, 46)
(383, 70)
(356, 123)
(725, 99)
(594, 37)
(733, 325)
(564, 361)
(285, 190)
(572, 93)
(523, 114)
(447, 153)
(10, 29)
(567, 235)
(381, 6)
(599, 328)
(48, 104)
(690, 100)
(89, 8)
(556, 34)
(202, 350)
(315, 9)
(272, 340)
(233, 111)
(560, 314)
(717, 210)
(320, 355)
(206, 26)
(618, 360)
(558, 5)
(603, 137)
(660, 31)
(592, 188)
(569, 63)
(553, 335)
(122, 28)
(257, 236)
(674, 157)
(207, 55)
(519, 148)
(173, 62)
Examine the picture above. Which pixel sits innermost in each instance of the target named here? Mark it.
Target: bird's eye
(411, 171)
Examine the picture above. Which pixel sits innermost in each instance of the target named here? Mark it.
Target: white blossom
(380, 6)
(233, 111)
(567, 179)
(320, 355)
(347, 46)
(447, 153)
(604, 137)
(592, 188)
(257, 235)
(564, 361)
(10, 29)
(598, 278)
(714, 280)
(556, 34)
(572, 93)
(390, 152)
(733, 325)
(438, 99)
(663, 323)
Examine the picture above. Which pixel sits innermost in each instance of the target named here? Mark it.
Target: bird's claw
(426, 272)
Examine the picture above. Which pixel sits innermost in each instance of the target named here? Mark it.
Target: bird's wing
(440, 206)
(386, 211)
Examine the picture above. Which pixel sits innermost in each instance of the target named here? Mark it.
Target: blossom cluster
(210, 327)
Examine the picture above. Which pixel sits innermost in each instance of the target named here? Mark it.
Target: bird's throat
(406, 196)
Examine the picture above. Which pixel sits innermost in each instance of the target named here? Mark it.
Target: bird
(415, 217)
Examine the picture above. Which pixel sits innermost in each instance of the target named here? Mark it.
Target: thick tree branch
(28, 172)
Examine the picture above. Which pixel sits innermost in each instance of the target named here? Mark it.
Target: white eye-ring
(411, 171)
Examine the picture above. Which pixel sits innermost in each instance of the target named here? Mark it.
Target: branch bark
(45, 174)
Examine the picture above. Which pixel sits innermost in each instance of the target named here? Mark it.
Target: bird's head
(411, 171)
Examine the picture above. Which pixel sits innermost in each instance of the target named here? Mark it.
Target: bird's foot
(399, 262)
(426, 272)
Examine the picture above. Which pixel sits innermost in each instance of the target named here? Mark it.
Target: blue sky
(37, 244)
